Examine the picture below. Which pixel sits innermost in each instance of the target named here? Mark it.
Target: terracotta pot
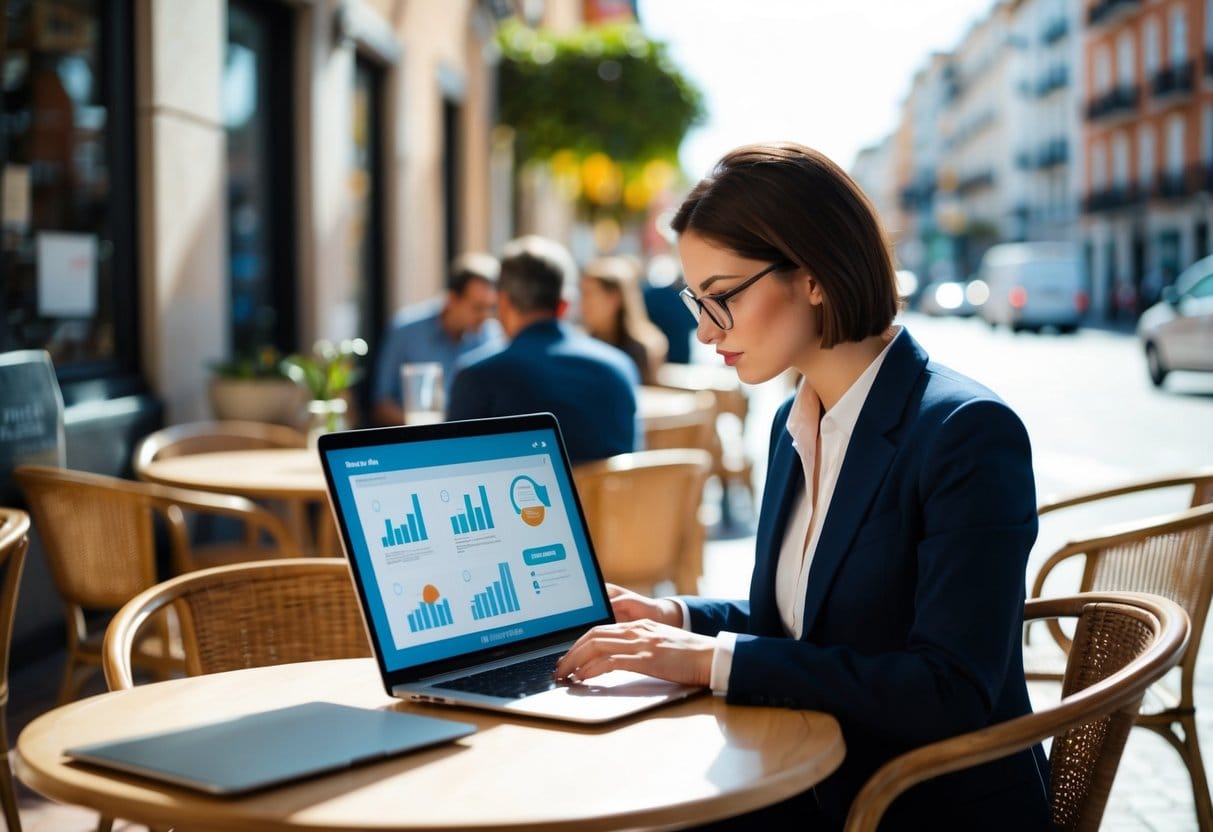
(258, 400)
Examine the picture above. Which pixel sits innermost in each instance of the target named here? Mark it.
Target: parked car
(1177, 332)
(951, 297)
(1034, 285)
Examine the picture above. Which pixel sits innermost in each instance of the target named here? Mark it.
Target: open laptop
(474, 567)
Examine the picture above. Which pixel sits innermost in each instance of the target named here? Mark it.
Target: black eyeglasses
(716, 306)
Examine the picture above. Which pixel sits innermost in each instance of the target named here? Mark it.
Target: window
(1124, 59)
(67, 266)
(1150, 47)
(259, 121)
(1179, 36)
(1175, 145)
(1099, 168)
(1103, 70)
(1145, 157)
(1120, 161)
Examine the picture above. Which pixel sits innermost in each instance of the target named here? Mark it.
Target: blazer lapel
(784, 480)
(869, 454)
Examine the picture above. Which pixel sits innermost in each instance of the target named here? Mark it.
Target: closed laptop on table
(255, 751)
(474, 566)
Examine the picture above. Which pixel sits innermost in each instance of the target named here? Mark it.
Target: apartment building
(1148, 145)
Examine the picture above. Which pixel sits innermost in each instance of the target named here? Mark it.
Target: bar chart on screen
(412, 530)
(431, 612)
(498, 598)
(474, 518)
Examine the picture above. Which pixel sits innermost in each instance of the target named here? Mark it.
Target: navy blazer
(589, 385)
(914, 604)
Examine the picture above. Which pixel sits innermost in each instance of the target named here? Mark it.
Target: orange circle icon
(532, 515)
(429, 593)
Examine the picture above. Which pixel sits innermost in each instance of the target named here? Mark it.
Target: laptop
(474, 567)
(253, 752)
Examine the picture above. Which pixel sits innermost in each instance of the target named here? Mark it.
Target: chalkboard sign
(31, 416)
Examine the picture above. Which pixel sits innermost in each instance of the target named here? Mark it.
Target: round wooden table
(264, 473)
(687, 763)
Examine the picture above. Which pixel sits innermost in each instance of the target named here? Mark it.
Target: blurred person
(438, 330)
(665, 309)
(897, 517)
(612, 310)
(547, 366)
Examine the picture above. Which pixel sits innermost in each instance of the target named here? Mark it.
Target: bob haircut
(787, 202)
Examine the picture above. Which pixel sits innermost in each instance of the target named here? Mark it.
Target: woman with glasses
(897, 516)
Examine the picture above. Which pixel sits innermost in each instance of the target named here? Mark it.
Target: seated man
(442, 332)
(590, 386)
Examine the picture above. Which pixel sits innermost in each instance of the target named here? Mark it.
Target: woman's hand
(644, 646)
(632, 606)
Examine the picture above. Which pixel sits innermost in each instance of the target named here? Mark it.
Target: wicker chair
(1123, 643)
(98, 534)
(14, 542)
(1171, 556)
(679, 419)
(247, 615)
(205, 437)
(643, 512)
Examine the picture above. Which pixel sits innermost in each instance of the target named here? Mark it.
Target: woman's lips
(730, 358)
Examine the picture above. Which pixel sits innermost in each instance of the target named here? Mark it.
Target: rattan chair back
(98, 534)
(687, 420)
(247, 615)
(14, 543)
(211, 436)
(643, 513)
(1123, 643)
(1171, 556)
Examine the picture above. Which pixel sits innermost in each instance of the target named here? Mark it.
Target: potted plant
(253, 386)
(327, 374)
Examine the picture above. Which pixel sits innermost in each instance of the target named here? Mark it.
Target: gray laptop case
(253, 752)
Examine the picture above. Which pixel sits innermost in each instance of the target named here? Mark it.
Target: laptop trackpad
(605, 697)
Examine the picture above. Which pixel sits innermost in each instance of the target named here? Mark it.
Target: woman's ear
(812, 290)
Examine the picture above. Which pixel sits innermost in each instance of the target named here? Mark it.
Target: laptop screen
(465, 537)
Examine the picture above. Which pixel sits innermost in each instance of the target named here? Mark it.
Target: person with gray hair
(439, 331)
(590, 386)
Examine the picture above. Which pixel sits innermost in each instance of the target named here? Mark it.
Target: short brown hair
(788, 202)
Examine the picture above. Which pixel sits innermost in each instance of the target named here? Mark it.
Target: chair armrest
(173, 502)
(1172, 481)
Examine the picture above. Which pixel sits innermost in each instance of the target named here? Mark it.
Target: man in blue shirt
(438, 331)
(589, 385)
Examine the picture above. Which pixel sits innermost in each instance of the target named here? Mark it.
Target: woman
(612, 310)
(897, 516)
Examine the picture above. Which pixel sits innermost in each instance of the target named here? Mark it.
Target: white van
(1034, 285)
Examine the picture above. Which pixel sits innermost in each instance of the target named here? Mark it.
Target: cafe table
(679, 765)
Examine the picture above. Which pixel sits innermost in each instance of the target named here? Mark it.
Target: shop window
(259, 119)
(67, 270)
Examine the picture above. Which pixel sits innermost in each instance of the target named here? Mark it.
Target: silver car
(1177, 332)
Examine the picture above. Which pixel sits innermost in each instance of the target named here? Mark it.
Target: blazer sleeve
(468, 397)
(976, 503)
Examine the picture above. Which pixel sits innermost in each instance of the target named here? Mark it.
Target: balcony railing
(1119, 101)
(1174, 80)
(975, 182)
(1104, 11)
(1053, 152)
(1058, 77)
(1111, 199)
(1055, 30)
(1179, 184)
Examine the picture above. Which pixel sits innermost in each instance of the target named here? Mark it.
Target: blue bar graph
(473, 518)
(412, 530)
(428, 616)
(498, 598)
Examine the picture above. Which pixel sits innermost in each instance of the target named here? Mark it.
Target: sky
(827, 73)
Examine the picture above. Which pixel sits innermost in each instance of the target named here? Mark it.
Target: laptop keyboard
(513, 681)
